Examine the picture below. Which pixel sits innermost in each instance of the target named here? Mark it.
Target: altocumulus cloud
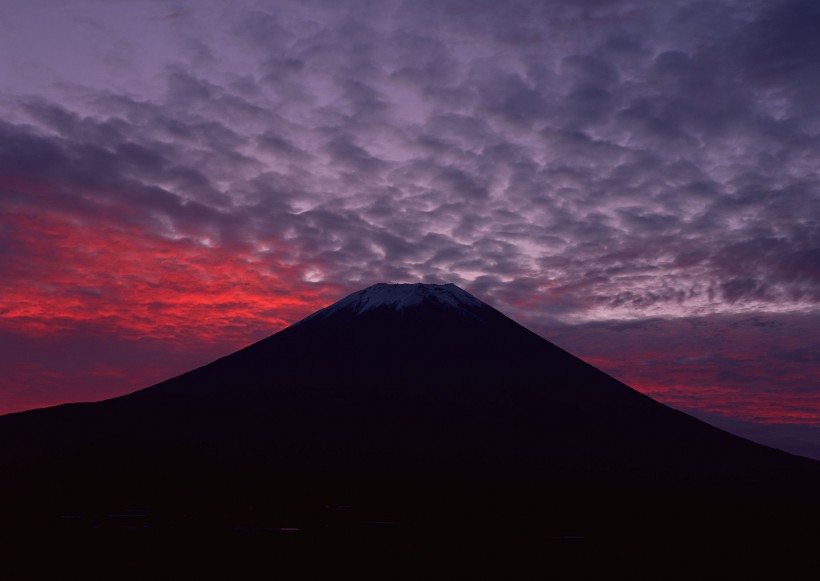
(571, 161)
(599, 148)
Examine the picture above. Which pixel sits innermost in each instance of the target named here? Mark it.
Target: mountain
(418, 407)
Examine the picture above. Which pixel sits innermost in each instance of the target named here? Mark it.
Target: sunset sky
(637, 181)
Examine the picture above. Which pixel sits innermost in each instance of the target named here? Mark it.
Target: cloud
(623, 167)
(753, 368)
(567, 161)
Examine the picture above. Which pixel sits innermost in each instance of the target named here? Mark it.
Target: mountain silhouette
(409, 406)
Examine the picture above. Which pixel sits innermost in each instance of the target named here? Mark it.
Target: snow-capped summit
(399, 297)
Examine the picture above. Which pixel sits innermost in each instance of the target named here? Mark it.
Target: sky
(636, 181)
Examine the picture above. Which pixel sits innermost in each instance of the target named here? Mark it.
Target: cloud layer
(175, 169)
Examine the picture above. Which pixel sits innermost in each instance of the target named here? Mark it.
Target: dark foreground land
(394, 555)
(638, 539)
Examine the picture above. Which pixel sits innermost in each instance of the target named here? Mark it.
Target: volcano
(411, 407)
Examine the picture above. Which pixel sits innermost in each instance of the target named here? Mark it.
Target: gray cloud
(598, 154)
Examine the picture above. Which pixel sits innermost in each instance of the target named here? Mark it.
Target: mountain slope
(416, 400)
(418, 370)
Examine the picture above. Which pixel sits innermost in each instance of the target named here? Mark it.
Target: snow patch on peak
(399, 297)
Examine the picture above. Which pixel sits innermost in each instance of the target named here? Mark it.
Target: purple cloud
(569, 161)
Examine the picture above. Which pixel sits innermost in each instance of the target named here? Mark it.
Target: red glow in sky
(76, 271)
